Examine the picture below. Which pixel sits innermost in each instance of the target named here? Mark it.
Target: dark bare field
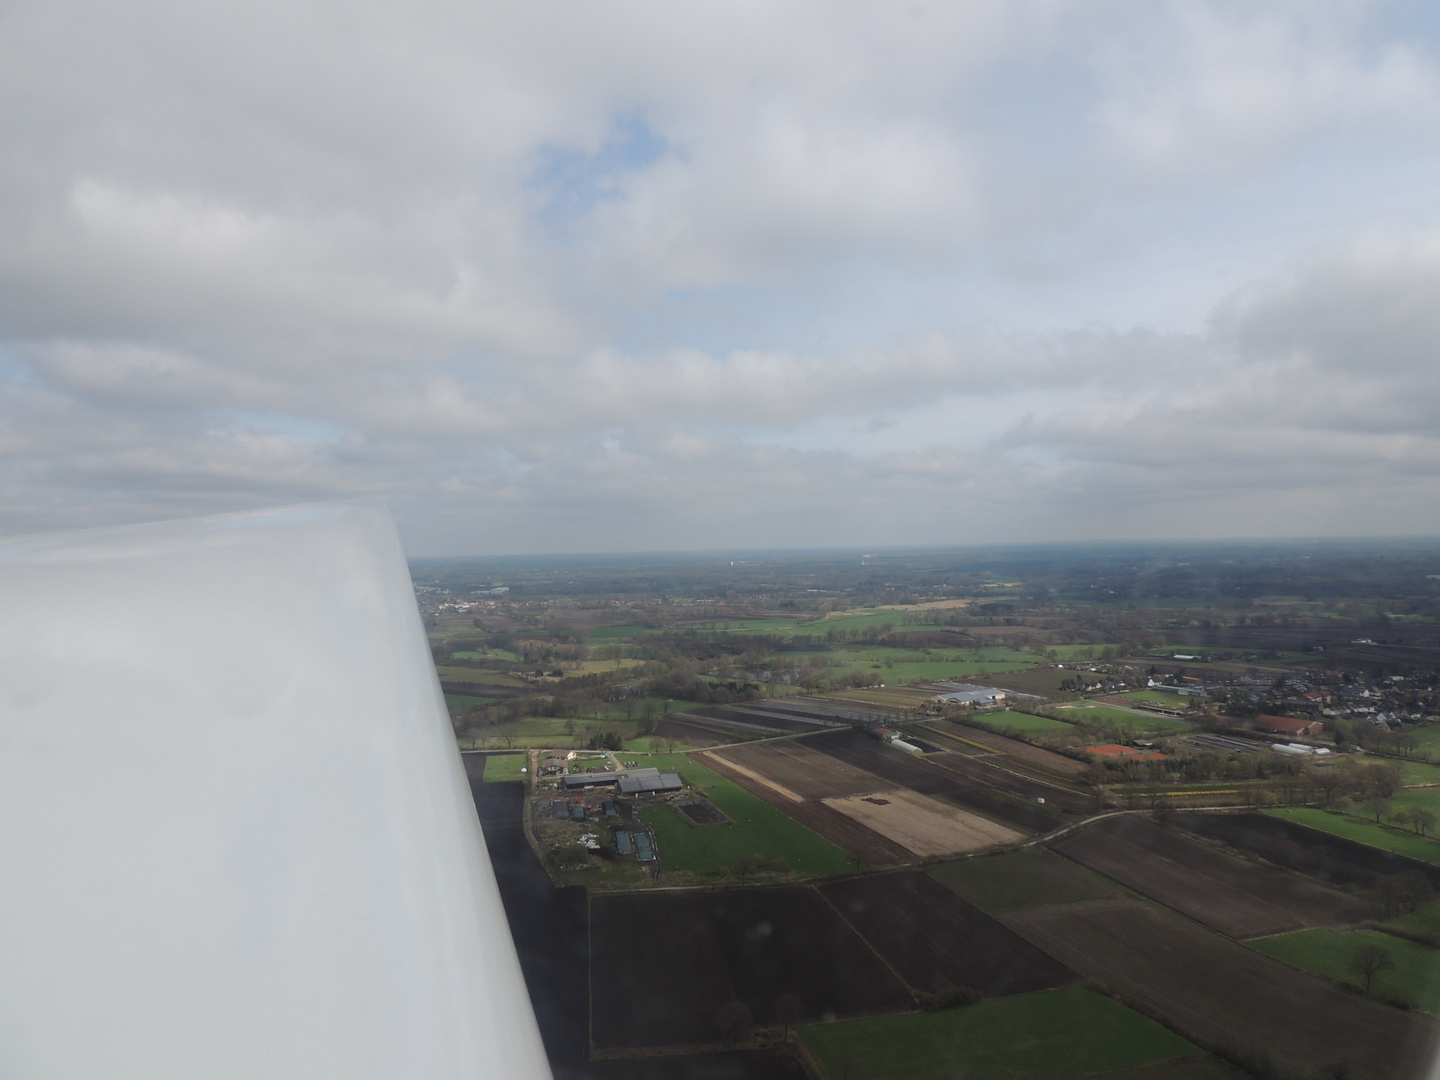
(665, 963)
(759, 715)
(1221, 994)
(1031, 756)
(797, 766)
(981, 771)
(550, 927)
(735, 1065)
(1226, 893)
(924, 775)
(1329, 858)
(933, 938)
(1019, 880)
(864, 843)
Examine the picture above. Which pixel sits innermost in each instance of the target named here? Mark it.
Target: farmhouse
(1285, 725)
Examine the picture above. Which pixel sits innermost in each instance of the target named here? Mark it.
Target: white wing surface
(236, 839)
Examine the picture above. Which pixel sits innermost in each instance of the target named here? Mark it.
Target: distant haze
(627, 276)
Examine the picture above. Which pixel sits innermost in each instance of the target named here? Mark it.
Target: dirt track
(1225, 995)
(1226, 893)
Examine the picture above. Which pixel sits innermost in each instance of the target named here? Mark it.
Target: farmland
(923, 825)
(861, 842)
(502, 767)
(1040, 1036)
(1089, 713)
(1286, 842)
(750, 945)
(757, 829)
(934, 939)
(1413, 980)
(927, 778)
(1024, 723)
(1400, 841)
(999, 884)
(1222, 994)
(775, 664)
(1021, 755)
(795, 766)
(1236, 897)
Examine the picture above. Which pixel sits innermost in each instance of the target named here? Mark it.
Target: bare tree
(1369, 960)
(789, 1011)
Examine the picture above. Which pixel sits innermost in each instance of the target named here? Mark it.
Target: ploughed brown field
(1221, 994)
(663, 964)
(859, 840)
(933, 938)
(1226, 893)
(964, 781)
(802, 770)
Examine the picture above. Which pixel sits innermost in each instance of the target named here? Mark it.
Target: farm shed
(637, 781)
(591, 779)
(1286, 725)
(966, 694)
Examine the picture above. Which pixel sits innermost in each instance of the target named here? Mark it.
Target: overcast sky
(586, 276)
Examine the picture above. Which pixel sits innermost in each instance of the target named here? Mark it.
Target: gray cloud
(632, 277)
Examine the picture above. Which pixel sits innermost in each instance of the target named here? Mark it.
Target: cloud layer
(572, 277)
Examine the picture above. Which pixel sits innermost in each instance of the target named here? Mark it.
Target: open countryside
(779, 832)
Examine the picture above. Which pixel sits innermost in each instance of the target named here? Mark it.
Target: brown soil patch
(924, 825)
(750, 774)
(1221, 994)
(792, 765)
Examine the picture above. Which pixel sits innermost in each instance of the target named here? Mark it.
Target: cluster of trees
(735, 1022)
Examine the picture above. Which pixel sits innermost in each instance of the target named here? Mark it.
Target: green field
(478, 676)
(1087, 713)
(997, 884)
(1024, 723)
(544, 731)
(1418, 772)
(1425, 920)
(1043, 1036)
(1415, 978)
(901, 667)
(758, 829)
(458, 703)
(1156, 697)
(505, 767)
(1366, 832)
